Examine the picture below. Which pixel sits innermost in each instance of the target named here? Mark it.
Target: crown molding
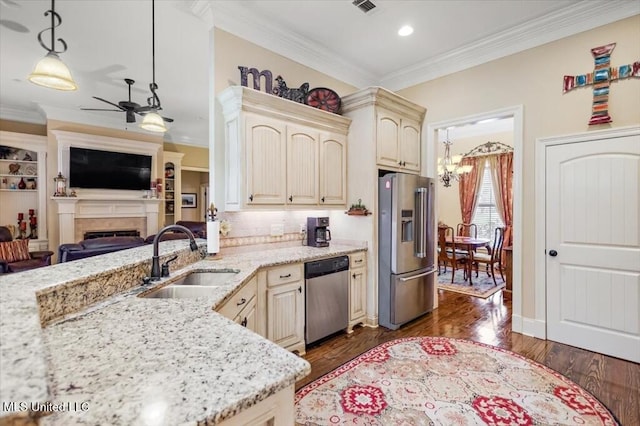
(236, 18)
(22, 114)
(572, 20)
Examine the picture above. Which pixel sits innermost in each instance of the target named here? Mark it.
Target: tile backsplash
(258, 223)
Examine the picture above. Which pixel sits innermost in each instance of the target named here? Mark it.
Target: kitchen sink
(207, 278)
(180, 292)
(196, 284)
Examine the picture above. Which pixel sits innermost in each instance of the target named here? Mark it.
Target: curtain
(501, 167)
(469, 187)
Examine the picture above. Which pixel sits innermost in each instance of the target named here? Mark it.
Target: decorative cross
(601, 77)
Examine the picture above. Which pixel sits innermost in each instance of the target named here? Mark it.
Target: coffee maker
(318, 234)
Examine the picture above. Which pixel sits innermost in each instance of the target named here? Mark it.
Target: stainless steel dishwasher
(326, 297)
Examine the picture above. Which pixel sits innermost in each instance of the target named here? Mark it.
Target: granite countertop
(131, 360)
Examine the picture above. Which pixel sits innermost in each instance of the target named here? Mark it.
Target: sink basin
(207, 279)
(180, 292)
(196, 284)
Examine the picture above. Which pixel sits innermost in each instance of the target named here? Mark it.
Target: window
(486, 216)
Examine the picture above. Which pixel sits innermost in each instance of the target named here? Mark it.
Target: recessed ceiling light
(405, 31)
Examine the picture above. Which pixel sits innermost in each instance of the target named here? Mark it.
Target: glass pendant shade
(51, 72)
(153, 123)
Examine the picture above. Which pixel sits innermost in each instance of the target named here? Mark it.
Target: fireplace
(78, 216)
(111, 233)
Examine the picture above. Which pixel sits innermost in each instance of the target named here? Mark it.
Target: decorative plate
(324, 99)
(31, 169)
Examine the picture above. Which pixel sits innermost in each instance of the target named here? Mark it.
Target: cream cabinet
(23, 186)
(265, 170)
(333, 169)
(172, 187)
(387, 137)
(282, 153)
(285, 306)
(302, 166)
(242, 307)
(357, 289)
(397, 142)
(276, 410)
(388, 123)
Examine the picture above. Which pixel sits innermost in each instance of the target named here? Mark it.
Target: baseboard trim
(516, 324)
(371, 322)
(534, 328)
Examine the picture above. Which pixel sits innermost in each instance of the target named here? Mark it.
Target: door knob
(553, 253)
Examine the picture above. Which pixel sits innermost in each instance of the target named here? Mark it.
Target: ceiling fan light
(153, 123)
(51, 72)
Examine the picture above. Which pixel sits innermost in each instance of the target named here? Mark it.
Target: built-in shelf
(31, 172)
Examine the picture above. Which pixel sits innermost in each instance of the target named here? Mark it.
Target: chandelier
(449, 167)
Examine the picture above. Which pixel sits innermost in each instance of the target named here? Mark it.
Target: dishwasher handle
(413, 277)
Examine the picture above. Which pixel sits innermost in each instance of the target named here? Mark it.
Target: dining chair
(467, 230)
(447, 254)
(493, 258)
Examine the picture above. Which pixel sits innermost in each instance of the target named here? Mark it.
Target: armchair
(15, 255)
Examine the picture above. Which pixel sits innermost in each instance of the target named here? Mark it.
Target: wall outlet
(277, 230)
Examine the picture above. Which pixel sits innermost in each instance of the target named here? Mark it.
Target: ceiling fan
(129, 107)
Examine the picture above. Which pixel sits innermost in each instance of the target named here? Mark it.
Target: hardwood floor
(616, 383)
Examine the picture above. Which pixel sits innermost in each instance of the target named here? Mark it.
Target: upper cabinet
(23, 187)
(282, 153)
(172, 187)
(397, 124)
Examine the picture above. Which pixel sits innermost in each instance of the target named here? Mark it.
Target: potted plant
(358, 209)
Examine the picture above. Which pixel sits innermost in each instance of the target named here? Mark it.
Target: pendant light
(50, 71)
(152, 121)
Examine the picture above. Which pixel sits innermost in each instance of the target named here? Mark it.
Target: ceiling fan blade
(110, 103)
(100, 109)
(167, 119)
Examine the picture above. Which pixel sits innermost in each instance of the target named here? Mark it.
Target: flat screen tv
(92, 168)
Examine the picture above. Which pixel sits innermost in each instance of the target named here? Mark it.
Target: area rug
(442, 381)
(483, 285)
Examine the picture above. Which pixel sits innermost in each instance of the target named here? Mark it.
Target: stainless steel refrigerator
(406, 238)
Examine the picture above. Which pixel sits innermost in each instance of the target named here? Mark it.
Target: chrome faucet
(155, 260)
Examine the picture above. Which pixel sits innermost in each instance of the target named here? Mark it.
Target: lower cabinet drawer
(358, 259)
(238, 301)
(284, 274)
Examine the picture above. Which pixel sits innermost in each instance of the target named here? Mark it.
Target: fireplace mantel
(72, 208)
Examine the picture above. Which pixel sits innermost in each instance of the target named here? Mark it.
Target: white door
(593, 245)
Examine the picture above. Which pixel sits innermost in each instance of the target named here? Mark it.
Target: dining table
(469, 244)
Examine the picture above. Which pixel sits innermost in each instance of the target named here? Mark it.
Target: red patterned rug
(442, 381)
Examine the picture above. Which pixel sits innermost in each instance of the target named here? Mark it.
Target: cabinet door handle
(322, 199)
(399, 163)
(241, 302)
(251, 197)
(244, 322)
(290, 197)
(357, 261)
(285, 276)
(300, 289)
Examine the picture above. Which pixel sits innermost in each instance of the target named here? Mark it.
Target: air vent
(364, 5)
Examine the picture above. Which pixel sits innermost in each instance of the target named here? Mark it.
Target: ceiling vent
(364, 5)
